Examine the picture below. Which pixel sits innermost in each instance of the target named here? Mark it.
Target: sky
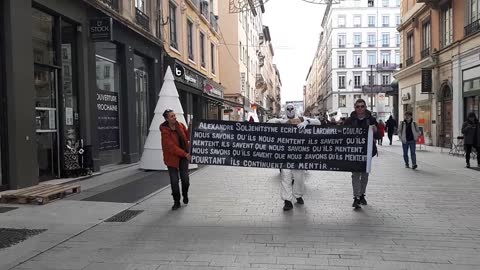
(295, 28)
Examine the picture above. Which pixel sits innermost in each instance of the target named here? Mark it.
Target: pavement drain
(6, 209)
(124, 216)
(10, 237)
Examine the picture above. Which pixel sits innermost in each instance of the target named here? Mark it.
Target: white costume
(293, 185)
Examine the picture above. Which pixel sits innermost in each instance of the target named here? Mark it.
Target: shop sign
(242, 82)
(108, 124)
(101, 29)
(187, 76)
(406, 95)
(211, 90)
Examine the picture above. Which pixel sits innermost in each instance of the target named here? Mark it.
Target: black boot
(362, 200)
(300, 200)
(468, 164)
(176, 205)
(356, 202)
(288, 206)
(185, 199)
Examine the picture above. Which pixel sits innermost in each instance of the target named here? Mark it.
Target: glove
(303, 124)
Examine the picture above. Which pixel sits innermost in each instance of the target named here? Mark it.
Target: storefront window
(108, 103)
(141, 90)
(423, 116)
(43, 41)
(472, 104)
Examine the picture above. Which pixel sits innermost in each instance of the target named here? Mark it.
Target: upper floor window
(372, 40)
(357, 84)
(202, 50)
(357, 21)
(410, 46)
(341, 40)
(357, 60)
(371, 20)
(141, 5)
(372, 59)
(385, 79)
(342, 100)
(426, 35)
(397, 39)
(385, 3)
(213, 57)
(341, 61)
(190, 40)
(385, 39)
(447, 26)
(357, 39)
(341, 81)
(385, 59)
(341, 20)
(397, 3)
(173, 25)
(371, 3)
(474, 7)
(385, 20)
(397, 20)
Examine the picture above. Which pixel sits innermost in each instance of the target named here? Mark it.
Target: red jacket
(172, 151)
(381, 129)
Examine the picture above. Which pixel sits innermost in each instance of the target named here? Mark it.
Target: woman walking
(381, 132)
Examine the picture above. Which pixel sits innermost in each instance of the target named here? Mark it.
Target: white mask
(290, 111)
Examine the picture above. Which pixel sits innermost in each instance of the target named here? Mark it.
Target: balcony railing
(387, 66)
(472, 28)
(425, 53)
(385, 45)
(409, 61)
(341, 66)
(113, 4)
(214, 21)
(376, 88)
(341, 45)
(142, 19)
(357, 66)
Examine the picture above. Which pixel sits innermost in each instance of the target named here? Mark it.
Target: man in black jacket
(361, 117)
(391, 125)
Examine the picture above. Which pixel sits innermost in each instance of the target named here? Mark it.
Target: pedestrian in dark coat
(361, 117)
(471, 139)
(390, 128)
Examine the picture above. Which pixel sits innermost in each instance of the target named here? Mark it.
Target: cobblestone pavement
(423, 219)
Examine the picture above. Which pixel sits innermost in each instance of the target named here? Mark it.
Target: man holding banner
(293, 181)
(361, 117)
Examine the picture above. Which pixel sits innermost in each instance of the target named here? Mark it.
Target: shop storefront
(64, 88)
(190, 87)
(129, 75)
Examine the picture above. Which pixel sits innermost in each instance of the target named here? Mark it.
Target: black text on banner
(284, 146)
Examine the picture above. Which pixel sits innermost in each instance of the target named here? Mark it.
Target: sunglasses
(359, 106)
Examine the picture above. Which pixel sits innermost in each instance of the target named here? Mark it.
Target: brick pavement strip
(424, 219)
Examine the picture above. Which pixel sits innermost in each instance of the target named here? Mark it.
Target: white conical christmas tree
(152, 157)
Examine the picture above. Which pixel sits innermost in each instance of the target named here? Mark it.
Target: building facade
(358, 53)
(192, 40)
(246, 60)
(439, 80)
(89, 73)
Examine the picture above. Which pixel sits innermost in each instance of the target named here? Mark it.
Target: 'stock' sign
(101, 29)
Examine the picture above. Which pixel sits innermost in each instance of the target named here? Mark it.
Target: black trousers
(468, 151)
(174, 179)
(390, 135)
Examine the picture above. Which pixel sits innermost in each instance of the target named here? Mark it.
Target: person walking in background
(390, 128)
(176, 144)
(409, 133)
(361, 117)
(381, 132)
(471, 139)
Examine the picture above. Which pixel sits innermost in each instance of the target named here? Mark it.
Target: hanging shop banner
(108, 125)
(266, 145)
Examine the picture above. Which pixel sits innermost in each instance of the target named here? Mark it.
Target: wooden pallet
(40, 194)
